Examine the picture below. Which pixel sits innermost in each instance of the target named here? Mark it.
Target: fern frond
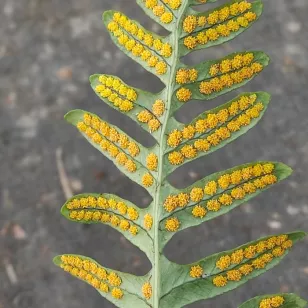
(168, 284)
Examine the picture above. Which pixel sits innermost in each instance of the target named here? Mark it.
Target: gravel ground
(47, 51)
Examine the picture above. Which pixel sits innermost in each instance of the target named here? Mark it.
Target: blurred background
(48, 49)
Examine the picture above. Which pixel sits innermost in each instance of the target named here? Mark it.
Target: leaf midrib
(161, 177)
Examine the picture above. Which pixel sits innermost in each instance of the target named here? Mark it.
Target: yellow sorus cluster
(211, 121)
(191, 22)
(186, 76)
(158, 108)
(148, 221)
(196, 271)
(152, 161)
(146, 38)
(236, 177)
(264, 176)
(227, 65)
(110, 140)
(257, 264)
(217, 84)
(98, 216)
(147, 290)
(146, 116)
(173, 4)
(112, 134)
(237, 193)
(172, 224)
(159, 10)
(222, 30)
(112, 150)
(214, 139)
(120, 95)
(93, 274)
(184, 95)
(199, 211)
(174, 201)
(250, 252)
(147, 180)
(139, 43)
(272, 302)
(117, 293)
(103, 203)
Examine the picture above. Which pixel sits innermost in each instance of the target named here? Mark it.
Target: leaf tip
(298, 235)
(267, 59)
(261, 5)
(57, 260)
(283, 170)
(303, 234)
(64, 210)
(267, 96)
(93, 78)
(107, 16)
(68, 115)
(73, 116)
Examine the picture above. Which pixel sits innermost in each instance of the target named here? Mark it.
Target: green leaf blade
(261, 98)
(205, 74)
(120, 214)
(290, 301)
(143, 103)
(257, 8)
(208, 87)
(133, 164)
(128, 41)
(201, 2)
(185, 215)
(130, 285)
(189, 290)
(148, 11)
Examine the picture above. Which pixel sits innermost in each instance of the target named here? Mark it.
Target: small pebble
(274, 224)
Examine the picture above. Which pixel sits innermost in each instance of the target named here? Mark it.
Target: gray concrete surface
(48, 48)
